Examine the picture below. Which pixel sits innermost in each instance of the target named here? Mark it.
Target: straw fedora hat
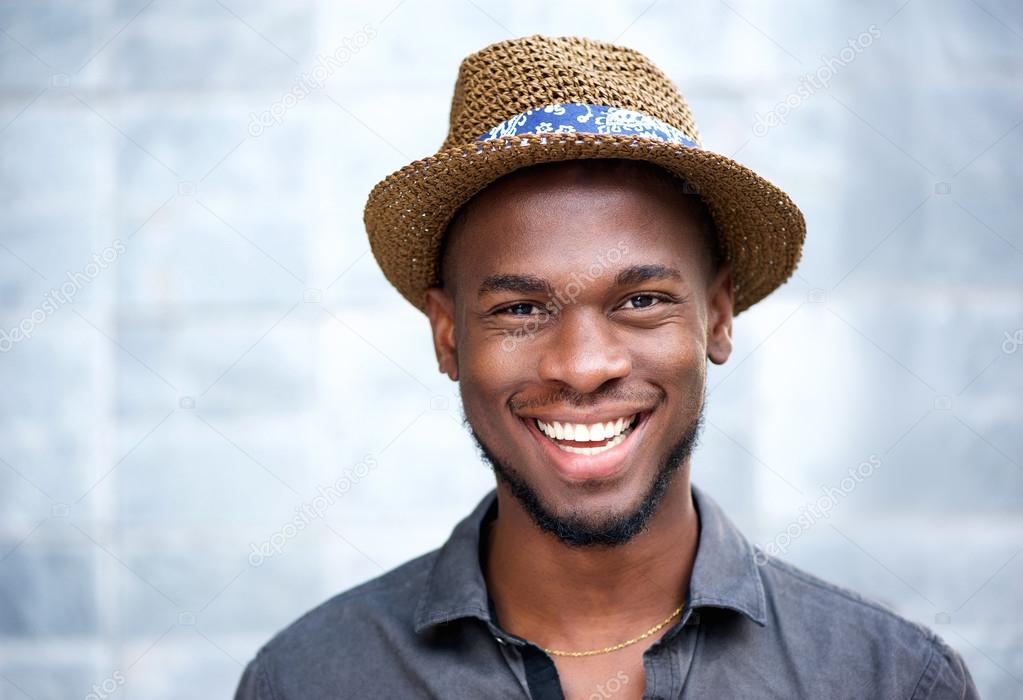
(538, 99)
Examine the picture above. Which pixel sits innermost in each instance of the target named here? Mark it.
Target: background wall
(197, 344)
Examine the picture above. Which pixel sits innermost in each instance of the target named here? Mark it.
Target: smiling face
(581, 301)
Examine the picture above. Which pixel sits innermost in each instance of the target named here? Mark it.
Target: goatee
(577, 531)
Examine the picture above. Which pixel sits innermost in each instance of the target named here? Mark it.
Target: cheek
(490, 371)
(678, 364)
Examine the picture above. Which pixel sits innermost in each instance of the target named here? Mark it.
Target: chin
(605, 511)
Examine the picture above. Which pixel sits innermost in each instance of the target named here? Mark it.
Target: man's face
(575, 297)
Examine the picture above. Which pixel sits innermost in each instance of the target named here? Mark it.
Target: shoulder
(361, 622)
(824, 601)
(864, 634)
(391, 596)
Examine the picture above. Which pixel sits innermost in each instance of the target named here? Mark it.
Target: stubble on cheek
(488, 375)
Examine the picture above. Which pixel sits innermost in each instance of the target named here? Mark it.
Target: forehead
(565, 219)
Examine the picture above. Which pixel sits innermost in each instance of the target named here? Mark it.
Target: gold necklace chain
(616, 647)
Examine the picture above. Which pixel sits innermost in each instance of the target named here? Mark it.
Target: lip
(575, 467)
(589, 418)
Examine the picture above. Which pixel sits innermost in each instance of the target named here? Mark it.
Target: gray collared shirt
(752, 627)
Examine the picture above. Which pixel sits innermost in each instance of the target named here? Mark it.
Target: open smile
(587, 439)
(588, 451)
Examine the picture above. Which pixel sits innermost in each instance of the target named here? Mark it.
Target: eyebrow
(531, 284)
(520, 284)
(646, 273)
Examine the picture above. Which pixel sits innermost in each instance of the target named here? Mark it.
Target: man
(580, 258)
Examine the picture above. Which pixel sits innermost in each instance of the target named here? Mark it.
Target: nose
(584, 351)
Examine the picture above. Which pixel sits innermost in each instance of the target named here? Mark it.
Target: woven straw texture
(761, 230)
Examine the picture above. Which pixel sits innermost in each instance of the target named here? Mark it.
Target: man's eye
(646, 300)
(511, 310)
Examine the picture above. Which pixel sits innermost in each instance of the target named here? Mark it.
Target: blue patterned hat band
(577, 117)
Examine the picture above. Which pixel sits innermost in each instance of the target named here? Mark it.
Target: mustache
(567, 397)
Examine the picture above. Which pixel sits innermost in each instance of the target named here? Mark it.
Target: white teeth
(594, 450)
(597, 432)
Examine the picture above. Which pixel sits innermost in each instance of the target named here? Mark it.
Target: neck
(577, 598)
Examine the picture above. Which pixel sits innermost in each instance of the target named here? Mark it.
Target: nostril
(584, 376)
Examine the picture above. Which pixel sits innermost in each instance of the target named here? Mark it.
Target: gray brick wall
(235, 349)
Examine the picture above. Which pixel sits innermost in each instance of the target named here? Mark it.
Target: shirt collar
(725, 572)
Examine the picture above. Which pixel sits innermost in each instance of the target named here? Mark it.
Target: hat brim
(761, 229)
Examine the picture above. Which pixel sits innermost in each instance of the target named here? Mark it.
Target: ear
(720, 302)
(440, 308)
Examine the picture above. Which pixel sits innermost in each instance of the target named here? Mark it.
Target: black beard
(572, 530)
